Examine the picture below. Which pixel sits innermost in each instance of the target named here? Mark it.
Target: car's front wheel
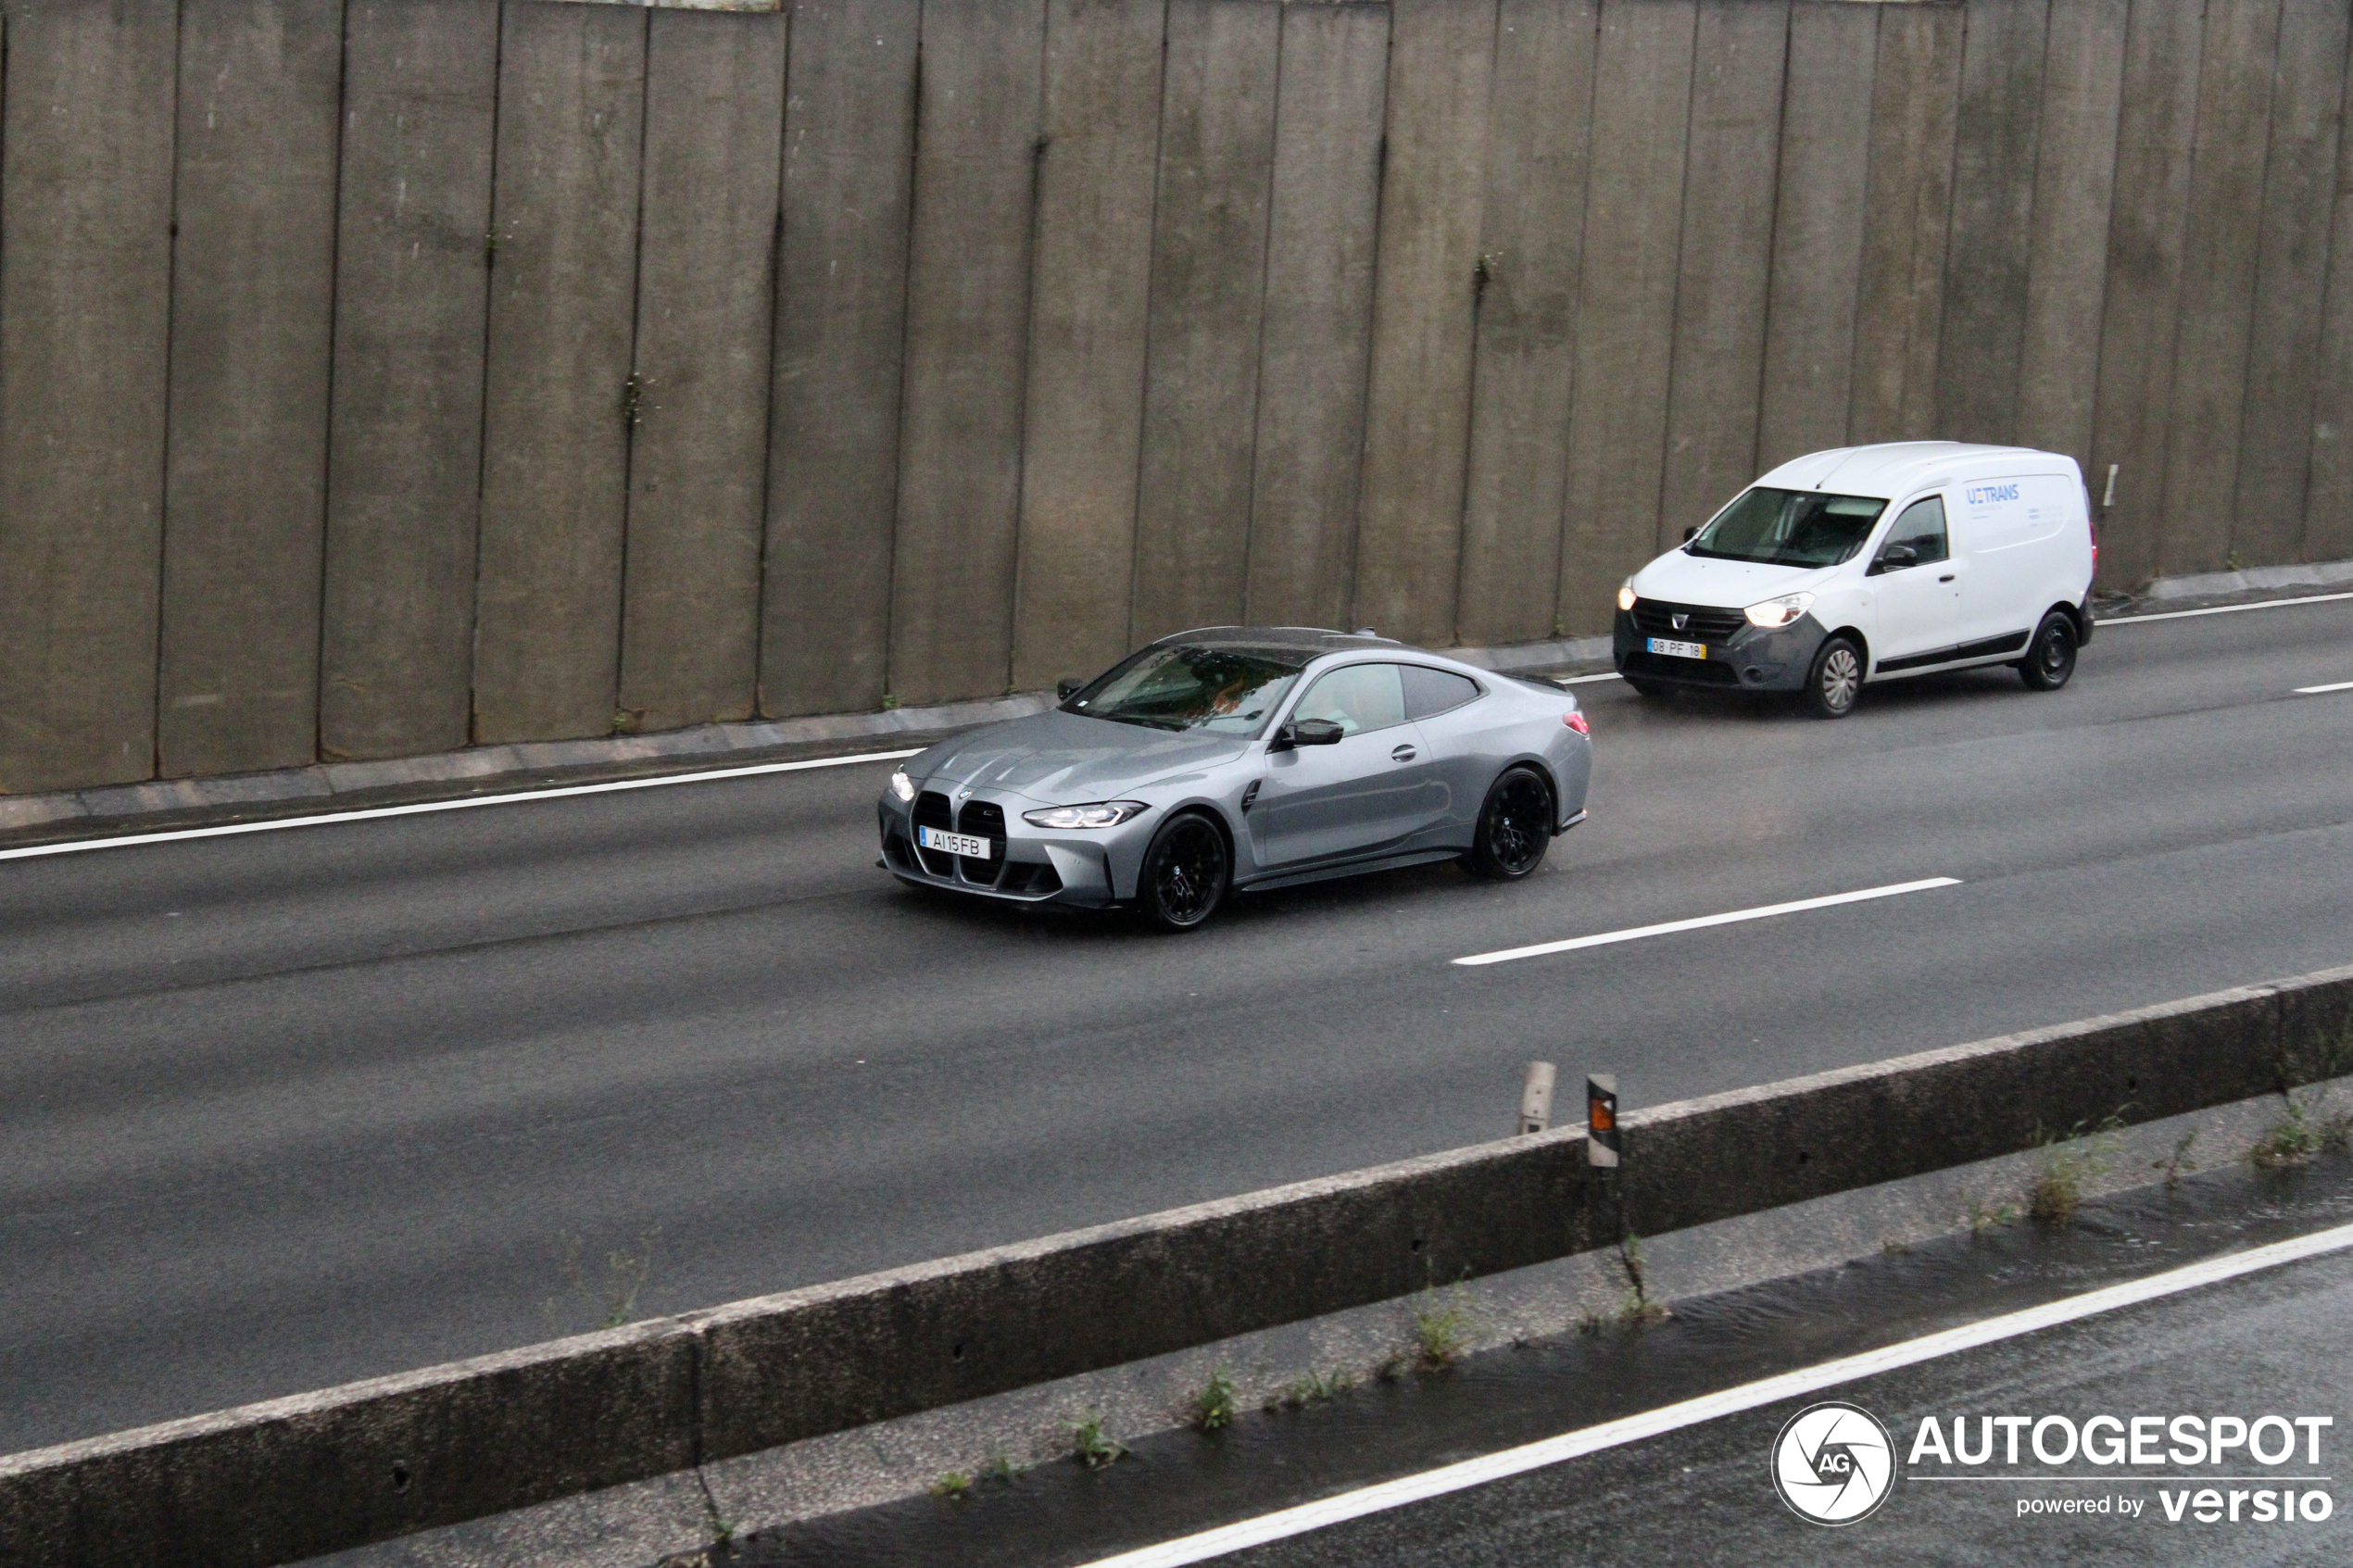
(1515, 827)
(1185, 875)
(2050, 658)
(1835, 680)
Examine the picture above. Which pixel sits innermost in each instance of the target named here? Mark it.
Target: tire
(1835, 680)
(1185, 874)
(1515, 827)
(2050, 656)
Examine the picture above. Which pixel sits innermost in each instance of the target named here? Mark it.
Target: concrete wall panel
(2218, 257)
(1995, 137)
(2328, 504)
(1900, 308)
(85, 284)
(405, 444)
(252, 329)
(967, 340)
(1086, 380)
(1723, 273)
(1531, 245)
(1625, 308)
(563, 289)
(841, 310)
(1817, 230)
(1316, 336)
(1417, 414)
(1208, 285)
(2299, 172)
(2074, 184)
(2130, 418)
(706, 303)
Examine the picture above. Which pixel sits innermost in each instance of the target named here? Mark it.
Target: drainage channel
(1171, 1485)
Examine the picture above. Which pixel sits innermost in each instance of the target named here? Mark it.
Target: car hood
(1729, 584)
(1059, 759)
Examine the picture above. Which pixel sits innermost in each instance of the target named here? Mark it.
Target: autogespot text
(2189, 1462)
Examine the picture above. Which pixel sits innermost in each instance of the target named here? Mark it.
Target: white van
(1871, 563)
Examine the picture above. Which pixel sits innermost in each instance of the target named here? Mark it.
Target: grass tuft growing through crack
(1442, 1329)
(2071, 1162)
(1312, 1390)
(2302, 1133)
(1090, 1447)
(1212, 1408)
(953, 1484)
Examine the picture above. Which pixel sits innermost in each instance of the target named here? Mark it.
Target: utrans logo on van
(1986, 494)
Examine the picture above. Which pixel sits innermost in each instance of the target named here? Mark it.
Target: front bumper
(1753, 658)
(1028, 866)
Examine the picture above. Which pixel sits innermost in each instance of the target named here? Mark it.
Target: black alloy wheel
(1835, 680)
(2050, 658)
(1185, 873)
(1515, 827)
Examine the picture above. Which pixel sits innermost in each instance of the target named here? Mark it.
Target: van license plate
(1679, 650)
(953, 843)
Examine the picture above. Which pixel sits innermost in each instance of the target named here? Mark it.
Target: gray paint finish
(86, 270)
(405, 444)
(1417, 409)
(1316, 336)
(1085, 377)
(1208, 289)
(252, 328)
(967, 337)
(563, 283)
(841, 310)
(705, 311)
(1900, 308)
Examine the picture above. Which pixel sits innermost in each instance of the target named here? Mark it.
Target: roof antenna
(1363, 632)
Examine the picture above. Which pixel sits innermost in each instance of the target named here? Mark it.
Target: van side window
(1922, 527)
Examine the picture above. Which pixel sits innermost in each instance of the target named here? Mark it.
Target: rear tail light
(1575, 721)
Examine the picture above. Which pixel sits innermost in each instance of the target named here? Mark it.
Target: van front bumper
(1752, 660)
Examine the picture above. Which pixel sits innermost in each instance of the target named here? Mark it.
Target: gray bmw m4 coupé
(1243, 757)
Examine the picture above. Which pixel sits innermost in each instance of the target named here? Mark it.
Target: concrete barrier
(315, 1473)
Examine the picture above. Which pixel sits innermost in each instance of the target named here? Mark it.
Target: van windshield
(1788, 528)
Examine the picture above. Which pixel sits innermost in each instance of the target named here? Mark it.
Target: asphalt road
(290, 1109)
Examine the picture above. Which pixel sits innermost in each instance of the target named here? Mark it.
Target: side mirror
(1896, 558)
(1317, 732)
(1069, 686)
(1688, 534)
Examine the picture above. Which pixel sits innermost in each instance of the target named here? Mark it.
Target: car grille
(1655, 618)
(932, 812)
(983, 818)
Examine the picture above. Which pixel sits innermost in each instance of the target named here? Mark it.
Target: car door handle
(1403, 754)
(1947, 578)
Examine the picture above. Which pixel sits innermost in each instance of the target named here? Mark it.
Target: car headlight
(1626, 594)
(902, 785)
(1101, 814)
(1780, 611)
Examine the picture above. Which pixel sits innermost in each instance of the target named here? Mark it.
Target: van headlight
(902, 785)
(1101, 814)
(1780, 611)
(1626, 594)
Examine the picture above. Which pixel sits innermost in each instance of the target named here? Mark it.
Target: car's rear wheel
(2050, 658)
(1835, 680)
(1185, 875)
(1515, 827)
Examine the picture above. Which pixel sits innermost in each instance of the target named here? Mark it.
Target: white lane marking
(372, 813)
(1762, 913)
(2315, 691)
(2215, 609)
(1581, 680)
(1468, 1472)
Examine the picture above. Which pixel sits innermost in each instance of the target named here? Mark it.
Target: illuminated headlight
(1626, 594)
(1780, 611)
(1102, 814)
(903, 786)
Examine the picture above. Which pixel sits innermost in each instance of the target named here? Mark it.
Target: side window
(1358, 697)
(1922, 527)
(1429, 692)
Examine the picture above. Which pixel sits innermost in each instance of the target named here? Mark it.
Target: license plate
(953, 843)
(1679, 650)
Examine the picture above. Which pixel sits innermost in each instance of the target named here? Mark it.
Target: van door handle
(1403, 754)
(1947, 578)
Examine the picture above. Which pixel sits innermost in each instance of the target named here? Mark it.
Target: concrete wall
(384, 376)
(313, 1473)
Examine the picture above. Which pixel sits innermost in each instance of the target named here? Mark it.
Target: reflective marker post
(1601, 1121)
(1536, 1097)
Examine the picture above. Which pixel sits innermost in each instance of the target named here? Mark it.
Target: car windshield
(1788, 528)
(1227, 690)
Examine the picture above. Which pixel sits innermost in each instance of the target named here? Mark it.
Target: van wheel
(1645, 688)
(2050, 658)
(1515, 828)
(1835, 680)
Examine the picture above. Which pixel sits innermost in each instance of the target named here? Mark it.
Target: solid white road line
(2217, 609)
(1710, 1407)
(1581, 680)
(2315, 691)
(422, 805)
(1604, 938)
